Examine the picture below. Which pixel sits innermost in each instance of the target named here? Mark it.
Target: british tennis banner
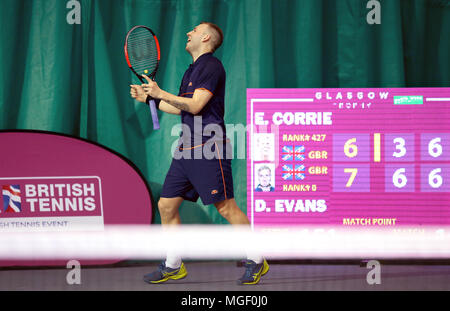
(54, 182)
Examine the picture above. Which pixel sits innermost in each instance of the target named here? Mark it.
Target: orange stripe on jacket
(221, 170)
(202, 88)
(187, 93)
(182, 148)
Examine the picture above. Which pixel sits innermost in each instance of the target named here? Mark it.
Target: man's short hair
(263, 168)
(218, 39)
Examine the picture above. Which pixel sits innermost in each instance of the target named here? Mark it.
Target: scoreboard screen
(348, 157)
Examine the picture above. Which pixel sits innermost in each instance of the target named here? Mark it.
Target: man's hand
(192, 105)
(151, 88)
(137, 92)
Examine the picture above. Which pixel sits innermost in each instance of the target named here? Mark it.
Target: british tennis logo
(12, 202)
(51, 202)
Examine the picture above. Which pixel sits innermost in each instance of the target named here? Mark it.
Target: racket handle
(154, 113)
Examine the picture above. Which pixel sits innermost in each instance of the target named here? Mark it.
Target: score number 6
(434, 148)
(350, 149)
(399, 179)
(434, 179)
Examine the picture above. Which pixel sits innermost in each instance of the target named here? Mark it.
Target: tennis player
(194, 174)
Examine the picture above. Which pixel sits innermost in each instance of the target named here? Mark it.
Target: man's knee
(226, 208)
(167, 206)
(223, 210)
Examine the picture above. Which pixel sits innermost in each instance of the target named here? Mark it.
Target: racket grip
(154, 114)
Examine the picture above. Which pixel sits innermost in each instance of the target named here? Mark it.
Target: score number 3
(400, 147)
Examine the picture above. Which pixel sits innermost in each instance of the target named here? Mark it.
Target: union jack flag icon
(299, 153)
(289, 172)
(288, 153)
(11, 199)
(299, 172)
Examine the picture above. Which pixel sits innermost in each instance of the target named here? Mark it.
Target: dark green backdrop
(73, 79)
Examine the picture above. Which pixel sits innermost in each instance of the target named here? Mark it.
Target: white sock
(257, 259)
(173, 262)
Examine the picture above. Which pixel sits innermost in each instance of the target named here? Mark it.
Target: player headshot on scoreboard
(263, 147)
(264, 177)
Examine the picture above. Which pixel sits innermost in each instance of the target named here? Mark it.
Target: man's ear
(206, 37)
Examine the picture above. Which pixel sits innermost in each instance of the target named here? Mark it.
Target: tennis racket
(143, 54)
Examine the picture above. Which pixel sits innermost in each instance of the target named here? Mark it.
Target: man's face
(265, 143)
(264, 177)
(195, 37)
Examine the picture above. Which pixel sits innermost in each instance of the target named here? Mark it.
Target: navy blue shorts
(191, 177)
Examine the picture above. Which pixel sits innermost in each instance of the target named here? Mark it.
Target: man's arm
(193, 105)
(168, 108)
(138, 94)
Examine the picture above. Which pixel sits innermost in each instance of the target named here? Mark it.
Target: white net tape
(220, 241)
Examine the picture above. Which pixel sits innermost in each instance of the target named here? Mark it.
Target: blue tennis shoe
(253, 272)
(164, 274)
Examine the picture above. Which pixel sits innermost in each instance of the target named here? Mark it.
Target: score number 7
(353, 172)
(351, 151)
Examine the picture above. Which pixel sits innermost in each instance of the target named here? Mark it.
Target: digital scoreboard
(348, 157)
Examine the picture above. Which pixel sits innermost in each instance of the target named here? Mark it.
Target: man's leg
(231, 212)
(170, 216)
(169, 210)
(172, 267)
(256, 265)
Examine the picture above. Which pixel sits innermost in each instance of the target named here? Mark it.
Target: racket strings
(142, 51)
